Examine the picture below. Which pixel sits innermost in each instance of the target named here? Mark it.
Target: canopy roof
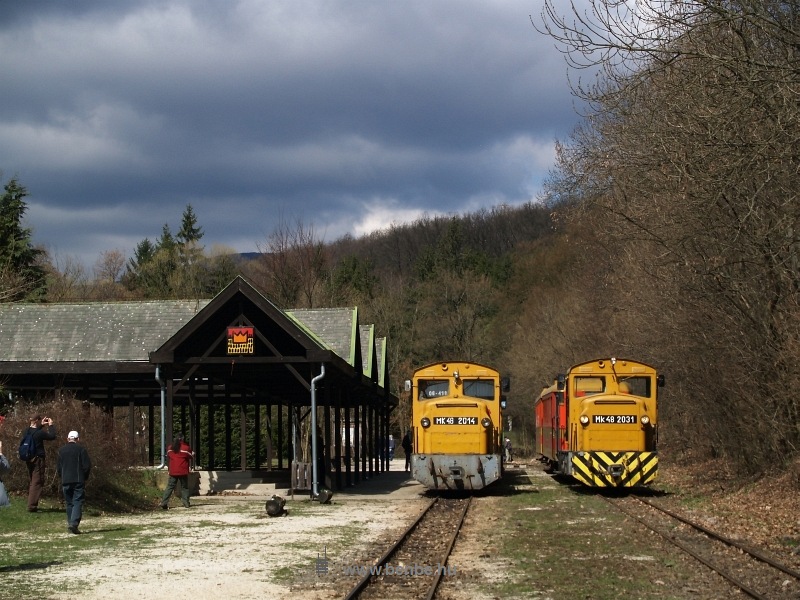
(110, 350)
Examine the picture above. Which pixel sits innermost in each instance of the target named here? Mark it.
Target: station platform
(248, 484)
(394, 483)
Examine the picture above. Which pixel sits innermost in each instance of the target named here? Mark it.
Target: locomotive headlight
(584, 420)
(486, 422)
(645, 420)
(425, 422)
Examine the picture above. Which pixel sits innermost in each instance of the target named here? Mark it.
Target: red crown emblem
(240, 335)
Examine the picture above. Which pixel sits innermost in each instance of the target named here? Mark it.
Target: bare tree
(12, 284)
(455, 317)
(67, 280)
(689, 155)
(292, 266)
(109, 266)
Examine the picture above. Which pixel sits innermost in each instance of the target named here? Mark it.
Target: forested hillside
(684, 179)
(669, 232)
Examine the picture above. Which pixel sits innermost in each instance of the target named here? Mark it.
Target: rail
(727, 574)
(428, 526)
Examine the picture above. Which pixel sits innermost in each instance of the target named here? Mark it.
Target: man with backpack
(31, 450)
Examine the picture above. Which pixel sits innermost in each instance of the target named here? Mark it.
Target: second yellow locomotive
(599, 423)
(456, 425)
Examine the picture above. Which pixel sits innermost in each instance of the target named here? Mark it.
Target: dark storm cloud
(348, 115)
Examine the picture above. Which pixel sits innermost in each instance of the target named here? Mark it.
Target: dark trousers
(173, 480)
(73, 498)
(36, 474)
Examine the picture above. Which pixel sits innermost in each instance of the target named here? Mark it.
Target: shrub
(113, 484)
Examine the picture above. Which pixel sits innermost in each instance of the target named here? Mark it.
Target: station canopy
(111, 352)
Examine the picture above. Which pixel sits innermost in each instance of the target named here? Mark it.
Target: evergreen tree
(189, 232)
(353, 280)
(142, 256)
(167, 240)
(190, 254)
(153, 269)
(175, 266)
(162, 270)
(22, 276)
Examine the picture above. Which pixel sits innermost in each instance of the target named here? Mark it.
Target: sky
(344, 115)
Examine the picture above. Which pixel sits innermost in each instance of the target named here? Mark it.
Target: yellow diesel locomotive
(598, 423)
(456, 425)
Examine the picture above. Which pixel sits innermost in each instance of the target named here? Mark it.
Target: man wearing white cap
(73, 468)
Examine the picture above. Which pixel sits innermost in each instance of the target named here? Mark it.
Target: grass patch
(133, 530)
(283, 575)
(333, 543)
(130, 490)
(34, 542)
(133, 491)
(565, 541)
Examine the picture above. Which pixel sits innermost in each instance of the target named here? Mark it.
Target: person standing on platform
(73, 467)
(407, 447)
(180, 458)
(36, 467)
(391, 447)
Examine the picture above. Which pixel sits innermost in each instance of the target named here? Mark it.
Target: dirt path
(220, 548)
(230, 548)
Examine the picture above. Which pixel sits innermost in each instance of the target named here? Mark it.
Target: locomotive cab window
(432, 388)
(636, 386)
(585, 386)
(479, 388)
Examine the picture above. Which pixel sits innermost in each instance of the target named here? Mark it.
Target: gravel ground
(229, 547)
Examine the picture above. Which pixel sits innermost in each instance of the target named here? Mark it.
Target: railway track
(746, 568)
(414, 565)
